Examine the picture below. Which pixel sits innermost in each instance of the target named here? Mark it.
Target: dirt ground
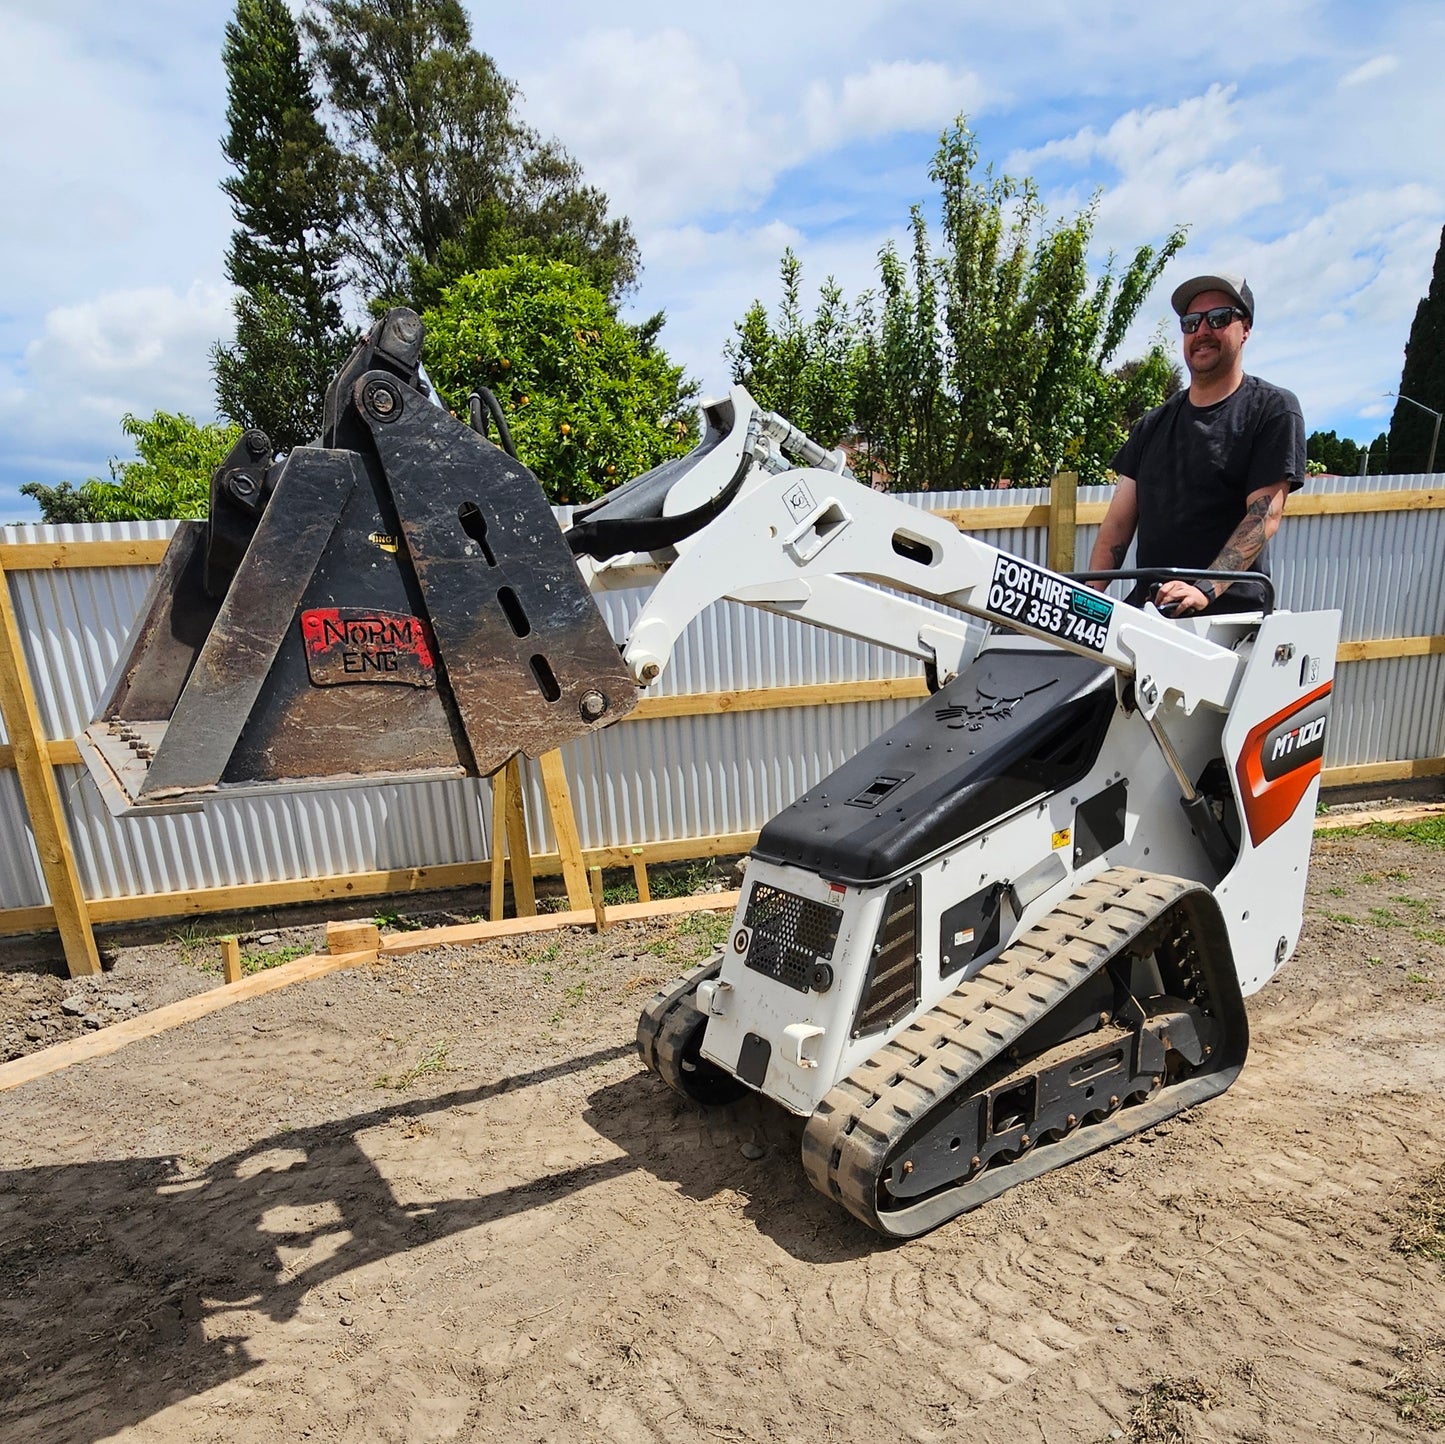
(438, 1199)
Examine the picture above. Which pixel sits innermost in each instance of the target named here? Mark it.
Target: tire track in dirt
(541, 1243)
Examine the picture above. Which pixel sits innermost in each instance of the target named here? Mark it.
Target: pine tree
(441, 175)
(285, 253)
(1422, 380)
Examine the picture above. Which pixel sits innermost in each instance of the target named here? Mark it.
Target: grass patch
(707, 930)
(272, 958)
(1160, 1417)
(1417, 1388)
(685, 880)
(397, 922)
(199, 947)
(540, 957)
(1385, 918)
(1342, 918)
(1427, 832)
(434, 1060)
(1430, 935)
(1415, 904)
(1423, 1229)
(1335, 891)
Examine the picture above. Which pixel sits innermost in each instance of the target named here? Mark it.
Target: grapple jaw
(394, 603)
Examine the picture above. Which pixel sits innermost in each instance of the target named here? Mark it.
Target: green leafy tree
(170, 477)
(442, 177)
(1422, 379)
(1339, 456)
(271, 378)
(286, 250)
(806, 369)
(591, 402)
(60, 503)
(984, 356)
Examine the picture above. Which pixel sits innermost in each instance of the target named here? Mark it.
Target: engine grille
(790, 934)
(892, 987)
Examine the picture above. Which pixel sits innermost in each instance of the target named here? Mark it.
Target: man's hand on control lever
(1180, 599)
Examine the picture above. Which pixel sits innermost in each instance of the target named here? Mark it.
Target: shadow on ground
(109, 1270)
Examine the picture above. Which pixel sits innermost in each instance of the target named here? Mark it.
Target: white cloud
(664, 128)
(891, 96)
(1169, 166)
(671, 129)
(1372, 69)
(135, 350)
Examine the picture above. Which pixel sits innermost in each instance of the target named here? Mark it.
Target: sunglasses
(1218, 317)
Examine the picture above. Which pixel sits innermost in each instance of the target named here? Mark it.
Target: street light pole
(1429, 465)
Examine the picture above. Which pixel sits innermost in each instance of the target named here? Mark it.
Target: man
(1203, 478)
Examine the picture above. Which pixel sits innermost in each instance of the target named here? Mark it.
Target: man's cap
(1235, 287)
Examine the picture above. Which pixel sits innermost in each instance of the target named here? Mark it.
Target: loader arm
(397, 602)
(792, 539)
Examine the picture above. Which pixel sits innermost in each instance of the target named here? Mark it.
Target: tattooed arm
(1116, 531)
(1261, 520)
(1262, 513)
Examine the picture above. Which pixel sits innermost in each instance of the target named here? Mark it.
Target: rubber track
(665, 1023)
(851, 1137)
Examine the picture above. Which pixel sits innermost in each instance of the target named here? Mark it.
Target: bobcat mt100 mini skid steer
(1017, 927)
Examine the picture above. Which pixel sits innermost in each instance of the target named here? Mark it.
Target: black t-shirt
(1195, 466)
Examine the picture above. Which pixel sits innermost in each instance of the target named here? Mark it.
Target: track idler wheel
(682, 1066)
(669, 1039)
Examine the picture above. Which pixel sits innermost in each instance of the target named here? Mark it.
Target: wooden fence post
(564, 824)
(639, 875)
(231, 959)
(1063, 520)
(509, 843)
(599, 910)
(42, 797)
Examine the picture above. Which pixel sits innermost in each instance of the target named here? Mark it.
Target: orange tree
(590, 401)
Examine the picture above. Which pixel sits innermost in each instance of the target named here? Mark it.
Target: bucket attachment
(395, 603)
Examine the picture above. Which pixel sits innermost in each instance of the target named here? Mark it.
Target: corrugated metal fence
(699, 779)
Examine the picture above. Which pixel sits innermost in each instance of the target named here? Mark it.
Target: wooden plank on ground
(1365, 817)
(359, 936)
(42, 798)
(462, 934)
(160, 1020)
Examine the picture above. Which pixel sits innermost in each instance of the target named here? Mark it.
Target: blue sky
(1298, 140)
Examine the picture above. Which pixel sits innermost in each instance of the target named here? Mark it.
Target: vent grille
(790, 934)
(892, 988)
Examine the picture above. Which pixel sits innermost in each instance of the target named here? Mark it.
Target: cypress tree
(285, 252)
(441, 175)
(1422, 380)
